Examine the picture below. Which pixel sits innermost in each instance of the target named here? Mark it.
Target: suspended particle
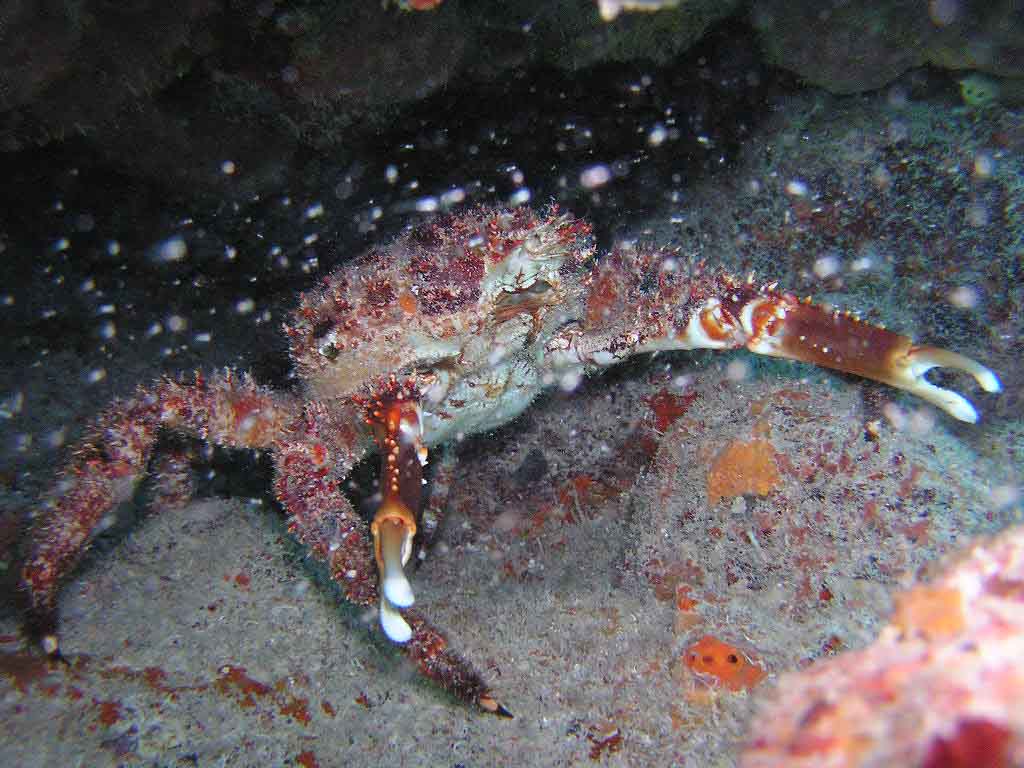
(228, 167)
(171, 250)
(595, 176)
(826, 266)
(96, 375)
(519, 197)
(391, 174)
(176, 323)
(657, 135)
(316, 210)
(984, 165)
(55, 438)
(453, 197)
(244, 306)
(862, 264)
(427, 204)
(796, 188)
(964, 297)
(108, 330)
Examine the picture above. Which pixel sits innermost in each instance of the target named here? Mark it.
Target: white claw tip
(988, 381)
(391, 621)
(961, 409)
(397, 589)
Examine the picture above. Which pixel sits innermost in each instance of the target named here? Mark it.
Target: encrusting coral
(941, 686)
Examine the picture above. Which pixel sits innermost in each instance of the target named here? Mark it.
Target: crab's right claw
(909, 369)
(780, 326)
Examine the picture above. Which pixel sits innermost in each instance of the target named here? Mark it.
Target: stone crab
(454, 328)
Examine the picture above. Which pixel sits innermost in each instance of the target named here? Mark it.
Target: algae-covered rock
(864, 44)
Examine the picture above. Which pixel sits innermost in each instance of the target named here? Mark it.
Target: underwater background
(696, 559)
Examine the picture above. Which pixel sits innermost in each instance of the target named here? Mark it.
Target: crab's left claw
(781, 326)
(395, 416)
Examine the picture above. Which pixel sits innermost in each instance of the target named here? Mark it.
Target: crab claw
(393, 530)
(395, 416)
(781, 326)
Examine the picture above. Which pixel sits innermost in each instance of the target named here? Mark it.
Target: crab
(452, 329)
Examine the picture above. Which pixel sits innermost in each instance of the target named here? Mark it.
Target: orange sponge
(743, 467)
(709, 657)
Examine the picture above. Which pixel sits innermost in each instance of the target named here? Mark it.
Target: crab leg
(107, 464)
(309, 459)
(641, 302)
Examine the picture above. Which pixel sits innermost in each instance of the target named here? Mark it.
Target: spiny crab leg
(640, 301)
(780, 326)
(394, 414)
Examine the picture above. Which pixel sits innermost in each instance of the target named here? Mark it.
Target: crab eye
(329, 351)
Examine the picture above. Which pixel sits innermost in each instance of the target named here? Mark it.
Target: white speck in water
(171, 250)
(984, 165)
(964, 297)
(55, 438)
(519, 197)
(96, 375)
(176, 323)
(826, 266)
(796, 188)
(228, 167)
(244, 306)
(862, 264)
(314, 211)
(453, 197)
(595, 176)
(657, 135)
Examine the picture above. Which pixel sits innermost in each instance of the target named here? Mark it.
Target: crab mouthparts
(393, 530)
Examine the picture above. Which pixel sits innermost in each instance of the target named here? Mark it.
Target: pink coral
(941, 686)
